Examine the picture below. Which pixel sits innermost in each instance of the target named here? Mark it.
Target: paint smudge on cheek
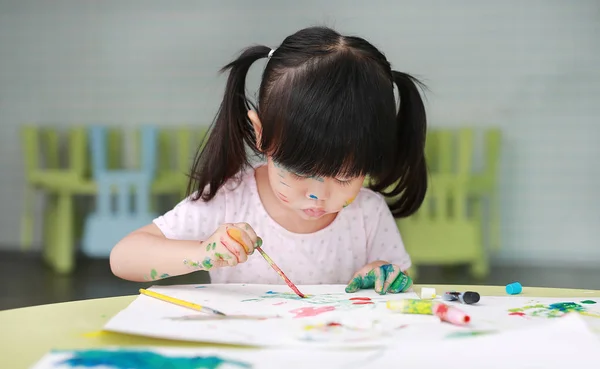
(313, 197)
(282, 197)
(348, 202)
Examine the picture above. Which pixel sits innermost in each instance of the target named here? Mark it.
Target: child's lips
(314, 212)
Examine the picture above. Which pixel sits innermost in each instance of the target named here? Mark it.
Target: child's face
(312, 197)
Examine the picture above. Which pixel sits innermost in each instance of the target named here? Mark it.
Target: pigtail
(406, 182)
(225, 154)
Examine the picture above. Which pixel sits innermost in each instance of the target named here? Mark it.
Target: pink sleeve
(193, 220)
(383, 237)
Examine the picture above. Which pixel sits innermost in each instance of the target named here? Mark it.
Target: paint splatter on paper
(127, 359)
(340, 301)
(555, 310)
(311, 311)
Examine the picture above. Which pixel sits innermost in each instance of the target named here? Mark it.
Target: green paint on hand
(126, 359)
(208, 247)
(153, 274)
(588, 302)
(361, 282)
(384, 270)
(207, 263)
(214, 244)
(164, 275)
(222, 256)
(400, 284)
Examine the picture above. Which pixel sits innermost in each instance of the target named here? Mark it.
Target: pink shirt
(361, 233)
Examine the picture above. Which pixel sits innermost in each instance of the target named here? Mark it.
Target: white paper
(557, 343)
(217, 358)
(304, 322)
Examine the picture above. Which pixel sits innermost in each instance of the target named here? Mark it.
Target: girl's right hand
(228, 246)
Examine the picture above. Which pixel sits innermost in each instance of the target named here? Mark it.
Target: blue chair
(106, 226)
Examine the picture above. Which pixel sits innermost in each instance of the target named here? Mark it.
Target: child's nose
(317, 193)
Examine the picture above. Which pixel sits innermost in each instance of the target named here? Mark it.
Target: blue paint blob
(127, 359)
(200, 287)
(271, 293)
(313, 197)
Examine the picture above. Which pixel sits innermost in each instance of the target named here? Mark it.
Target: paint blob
(590, 302)
(127, 359)
(311, 311)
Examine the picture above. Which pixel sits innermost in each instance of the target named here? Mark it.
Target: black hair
(327, 107)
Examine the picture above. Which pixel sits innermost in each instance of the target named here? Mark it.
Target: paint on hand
(400, 284)
(236, 235)
(153, 274)
(211, 246)
(348, 202)
(127, 359)
(164, 275)
(311, 311)
(207, 263)
(361, 282)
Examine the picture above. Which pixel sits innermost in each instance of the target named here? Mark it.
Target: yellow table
(29, 333)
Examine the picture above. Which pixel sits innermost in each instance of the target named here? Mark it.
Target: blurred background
(87, 87)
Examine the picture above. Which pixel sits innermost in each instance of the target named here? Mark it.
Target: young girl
(326, 119)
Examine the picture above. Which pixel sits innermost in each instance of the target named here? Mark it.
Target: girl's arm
(146, 254)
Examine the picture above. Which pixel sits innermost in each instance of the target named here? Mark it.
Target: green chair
(448, 228)
(60, 181)
(43, 171)
(176, 148)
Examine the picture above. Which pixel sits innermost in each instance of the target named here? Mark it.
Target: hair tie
(270, 53)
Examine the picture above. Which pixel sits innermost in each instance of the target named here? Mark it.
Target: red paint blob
(362, 303)
(517, 314)
(360, 298)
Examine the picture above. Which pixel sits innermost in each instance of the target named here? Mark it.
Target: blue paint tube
(468, 297)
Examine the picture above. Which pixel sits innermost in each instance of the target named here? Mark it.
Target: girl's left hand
(382, 276)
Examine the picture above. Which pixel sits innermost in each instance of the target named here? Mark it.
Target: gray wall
(530, 67)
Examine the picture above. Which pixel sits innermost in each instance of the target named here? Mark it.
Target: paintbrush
(278, 270)
(173, 300)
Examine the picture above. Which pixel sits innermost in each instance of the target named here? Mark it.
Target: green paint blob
(590, 302)
(207, 263)
(214, 244)
(567, 307)
(164, 275)
(208, 247)
(153, 274)
(127, 359)
(468, 334)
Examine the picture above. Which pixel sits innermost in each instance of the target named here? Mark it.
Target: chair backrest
(123, 182)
